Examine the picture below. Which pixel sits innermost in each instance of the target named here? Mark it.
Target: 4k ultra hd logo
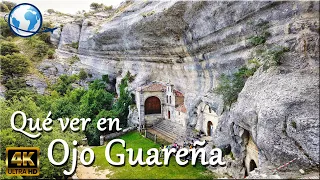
(23, 161)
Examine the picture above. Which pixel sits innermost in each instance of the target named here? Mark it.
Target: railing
(150, 136)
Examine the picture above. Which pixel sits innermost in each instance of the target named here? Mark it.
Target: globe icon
(25, 20)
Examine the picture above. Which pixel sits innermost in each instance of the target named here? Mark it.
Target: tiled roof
(178, 93)
(154, 87)
(181, 108)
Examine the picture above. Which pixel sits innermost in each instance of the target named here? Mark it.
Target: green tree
(97, 84)
(94, 101)
(41, 49)
(50, 11)
(4, 28)
(4, 8)
(9, 4)
(8, 48)
(14, 65)
(105, 78)
(64, 84)
(83, 74)
(95, 6)
(124, 101)
(51, 54)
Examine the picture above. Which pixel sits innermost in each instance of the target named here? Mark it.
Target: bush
(105, 78)
(4, 28)
(41, 49)
(64, 84)
(74, 59)
(107, 8)
(257, 40)
(9, 4)
(294, 124)
(15, 65)
(95, 6)
(230, 86)
(4, 8)
(9, 38)
(50, 11)
(272, 57)
(8, 48)
(74, 45)
(45, 37)
(82, 74)
(51, 54)
(148, 13)
(17, 87)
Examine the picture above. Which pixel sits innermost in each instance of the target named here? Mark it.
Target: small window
(167, 99)
(170, 99)
(209, 110)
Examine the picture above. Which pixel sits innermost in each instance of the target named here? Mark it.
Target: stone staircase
(170, 130)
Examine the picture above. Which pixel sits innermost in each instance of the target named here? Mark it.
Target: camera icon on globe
(25, 20)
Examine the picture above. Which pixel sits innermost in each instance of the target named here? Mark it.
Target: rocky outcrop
(37, 82)
(191, 44)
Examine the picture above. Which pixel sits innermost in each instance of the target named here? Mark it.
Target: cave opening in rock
(152, 105)
(252, 165)
(210, 128)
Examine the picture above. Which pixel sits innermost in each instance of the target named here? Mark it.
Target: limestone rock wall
(191, 44)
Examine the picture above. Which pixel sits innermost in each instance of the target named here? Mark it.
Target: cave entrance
(252, 165)
(152, 105)
(210, 128)
(252, 152)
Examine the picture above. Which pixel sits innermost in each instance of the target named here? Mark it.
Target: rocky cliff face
(191, 44)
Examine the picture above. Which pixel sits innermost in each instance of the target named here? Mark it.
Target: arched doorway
(252, 165)
(169, 115)
(152, 105)
(210, 128)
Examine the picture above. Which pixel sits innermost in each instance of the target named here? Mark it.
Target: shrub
(95, 6)
(272, 57)
(97, 84)
(15, 65)
(41, 49)
(50, 11)
(276, 55)
(8, 48)
(45, 37)
(107, 8)
(105, 78)
(17, 87)
(51, 54)
(294, 124)
(230, 86)
(4, 8)
(82, 74)
(74, 45)
(74, 59)
(4, 28)
(9, 4)
(148, 13)
(64, 84)
(9, 38)
(257, 40)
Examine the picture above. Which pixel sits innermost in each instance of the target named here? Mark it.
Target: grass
(134, 140)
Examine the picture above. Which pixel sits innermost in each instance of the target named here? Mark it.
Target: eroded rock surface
(191, 44)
